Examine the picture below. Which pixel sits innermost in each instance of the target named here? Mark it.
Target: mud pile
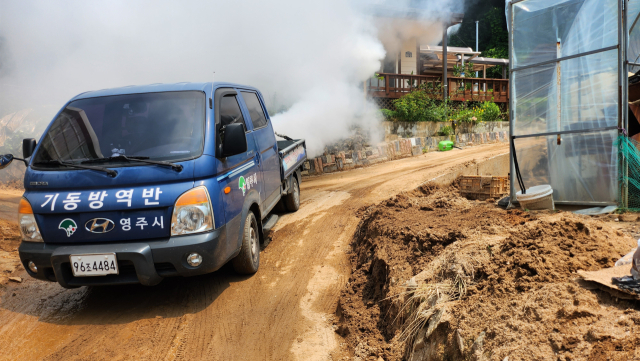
(435, 276)
(9, 242)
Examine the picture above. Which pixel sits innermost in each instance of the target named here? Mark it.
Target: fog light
(194, 260)
(32, 267)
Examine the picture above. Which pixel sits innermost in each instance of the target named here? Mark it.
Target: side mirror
(28, 146)
(5, 160)
(235, 140)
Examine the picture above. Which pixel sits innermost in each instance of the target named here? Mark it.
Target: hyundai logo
(99, 225)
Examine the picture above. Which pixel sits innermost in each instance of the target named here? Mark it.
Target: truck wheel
(292, 200)
(248, 260)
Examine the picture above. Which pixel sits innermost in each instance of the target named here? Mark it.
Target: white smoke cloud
(312, 57)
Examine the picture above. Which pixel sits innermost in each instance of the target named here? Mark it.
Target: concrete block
(396, 145)
(306, 165)
(416, 150)
(304, 173)
(348, 161)
(330, 168)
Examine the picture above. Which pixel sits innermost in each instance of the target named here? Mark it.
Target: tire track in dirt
(283, 312)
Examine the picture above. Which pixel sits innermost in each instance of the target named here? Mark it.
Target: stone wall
(396, 130)
(396, 149)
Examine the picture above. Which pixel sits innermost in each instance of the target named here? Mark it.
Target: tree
(493, 35)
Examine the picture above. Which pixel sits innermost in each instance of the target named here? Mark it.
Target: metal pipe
(445, 83)
(477, 42)
(512, 190)
(562, 59)
(623, 79)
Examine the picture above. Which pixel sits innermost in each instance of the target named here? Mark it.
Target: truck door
(239, 172)
(267, 148)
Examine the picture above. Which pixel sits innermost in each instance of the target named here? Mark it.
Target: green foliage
(490, 112)
(416, 106)
(420, 106)
(492, 34)
(389, 115)
(445, 131)
(468, 70)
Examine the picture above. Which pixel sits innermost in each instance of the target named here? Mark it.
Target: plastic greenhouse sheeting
(579, 25)
(578, 95)
(633, 54)
(583, 168)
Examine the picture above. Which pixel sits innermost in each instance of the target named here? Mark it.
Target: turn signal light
(28, 226)
(194, 196)
(24, 207)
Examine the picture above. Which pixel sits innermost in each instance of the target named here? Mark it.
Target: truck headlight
(28, 226)
(192, 213)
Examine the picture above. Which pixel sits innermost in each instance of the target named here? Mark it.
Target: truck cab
(135, 184)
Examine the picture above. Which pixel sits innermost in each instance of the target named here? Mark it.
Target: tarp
(576, 94)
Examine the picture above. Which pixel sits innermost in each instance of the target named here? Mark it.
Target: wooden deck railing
(460, 89)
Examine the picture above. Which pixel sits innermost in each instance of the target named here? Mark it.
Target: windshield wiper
(141, 159)
(110, 172)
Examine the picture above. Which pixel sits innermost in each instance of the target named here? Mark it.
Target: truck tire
(292, 200)
(248, 260)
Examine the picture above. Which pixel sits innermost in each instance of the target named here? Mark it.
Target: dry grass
(446, 279)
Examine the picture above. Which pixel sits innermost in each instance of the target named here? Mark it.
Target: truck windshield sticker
(68, 225)
(96, 199)
(246, 184)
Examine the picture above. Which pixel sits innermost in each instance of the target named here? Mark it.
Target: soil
(516, 278)
(9, 242)
(284, 312)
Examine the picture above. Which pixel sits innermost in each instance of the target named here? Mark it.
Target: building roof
(432, 57)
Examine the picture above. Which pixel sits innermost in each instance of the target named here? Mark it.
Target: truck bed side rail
(292, 155)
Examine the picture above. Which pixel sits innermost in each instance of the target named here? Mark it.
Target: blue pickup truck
(135, 184)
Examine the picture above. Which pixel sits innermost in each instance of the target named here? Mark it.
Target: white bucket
(538, 197)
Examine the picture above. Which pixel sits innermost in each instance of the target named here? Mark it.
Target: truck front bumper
(145, 262)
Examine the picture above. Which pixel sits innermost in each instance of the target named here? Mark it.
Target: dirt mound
(433, 271)
(9, 242)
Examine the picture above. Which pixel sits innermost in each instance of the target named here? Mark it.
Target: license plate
(86, 265)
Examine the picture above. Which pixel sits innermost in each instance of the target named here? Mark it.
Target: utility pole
(477, 41)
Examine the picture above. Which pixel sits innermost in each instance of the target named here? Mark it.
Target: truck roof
(157, 88)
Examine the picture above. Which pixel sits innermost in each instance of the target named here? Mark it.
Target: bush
(389, 115)
(417, 106)
(490, 112)
(445, 131)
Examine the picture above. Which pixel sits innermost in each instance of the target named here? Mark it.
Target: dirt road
(283, 312)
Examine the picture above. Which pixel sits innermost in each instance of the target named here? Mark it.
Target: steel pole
(477, 41)
(445, 83)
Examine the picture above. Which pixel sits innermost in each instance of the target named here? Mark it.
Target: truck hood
(73, 206)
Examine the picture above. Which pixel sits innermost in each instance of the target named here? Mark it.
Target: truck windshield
(161, 126)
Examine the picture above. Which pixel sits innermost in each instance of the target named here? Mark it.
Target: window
(230, 111)
(258, 118)
(162, 126)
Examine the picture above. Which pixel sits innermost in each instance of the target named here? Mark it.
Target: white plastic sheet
(545, 30)
(633, 51)
(575, 94)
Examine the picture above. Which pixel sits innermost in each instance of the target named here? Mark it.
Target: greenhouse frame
(569, 105)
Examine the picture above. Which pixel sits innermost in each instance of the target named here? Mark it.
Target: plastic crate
(483, 187)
